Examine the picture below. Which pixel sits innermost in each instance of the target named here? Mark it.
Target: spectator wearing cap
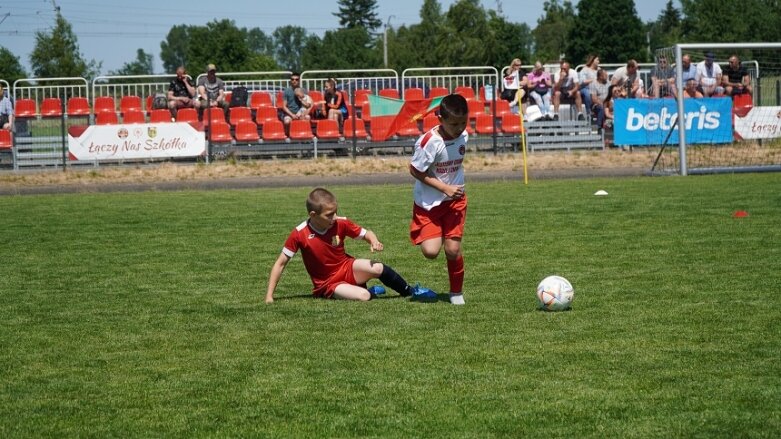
(181, 93)
(736, 79)
(709, 76)
(211, 90)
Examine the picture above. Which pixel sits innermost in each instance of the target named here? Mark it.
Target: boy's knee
(430, 254)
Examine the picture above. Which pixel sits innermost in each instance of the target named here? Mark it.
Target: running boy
(439, 211)
(334, 273)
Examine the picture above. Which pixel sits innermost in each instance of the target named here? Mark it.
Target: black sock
(394, 280)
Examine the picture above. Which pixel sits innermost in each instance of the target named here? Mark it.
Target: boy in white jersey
(334, 273)
(439, 211)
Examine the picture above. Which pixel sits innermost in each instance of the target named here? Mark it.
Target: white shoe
(457, 299)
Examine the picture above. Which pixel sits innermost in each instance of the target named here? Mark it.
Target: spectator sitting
(627, 77)
(614, 92)
(181, 92)
(662, 79)
(689, 69)
(599, 92)
(735, 78)
(567, 90)
(588, 76)
(514, 82)
(211, 90)
(291, 104)
(335, 107)
(6, 111)
(691, 90)
(709, 76)
(540, 86)
(306, 103)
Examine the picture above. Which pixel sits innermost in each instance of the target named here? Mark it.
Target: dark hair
(318, 199)
(453, 105)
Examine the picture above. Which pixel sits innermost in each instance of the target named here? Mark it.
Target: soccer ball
(555, 293)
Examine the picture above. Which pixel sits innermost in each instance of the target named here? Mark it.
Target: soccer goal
(729, 96)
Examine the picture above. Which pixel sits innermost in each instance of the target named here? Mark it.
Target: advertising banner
(648, 121)
(137, 141)
(759, 123)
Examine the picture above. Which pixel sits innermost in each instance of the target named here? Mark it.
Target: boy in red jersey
(334, 273)
(439, 211)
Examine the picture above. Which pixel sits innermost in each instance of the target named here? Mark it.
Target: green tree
(346, 48)
(141, 66)
(514, 40)
(418, 47)
(667, 30)
(259, 43)
(358, 13)
(10, 67)
(289, 43)
(220, 42)
(56, 54)
(466, 36)
(552, 31)
(173, 50)
(731, 20)
(611, 30)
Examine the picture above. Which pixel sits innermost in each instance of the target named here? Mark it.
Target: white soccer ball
(555, 293)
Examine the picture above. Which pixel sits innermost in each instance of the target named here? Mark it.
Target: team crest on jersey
(462, 149)
(335, 241)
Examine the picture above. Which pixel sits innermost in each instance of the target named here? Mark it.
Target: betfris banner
(137, 141)
(649, 121)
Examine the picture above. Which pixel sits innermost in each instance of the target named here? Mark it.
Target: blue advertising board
(648, 121)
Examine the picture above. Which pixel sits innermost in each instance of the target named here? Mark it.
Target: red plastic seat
(360, 128)
(240, 114)
(106, 118)
(484, 124)
(129, 103)
(301, 130)
(134, 116)
(502, 108)
(51, 107)
(436, 92)
(217, 116)
(413, 93)
(327, 129)
(465, 91)
(247, 131)
(220, 132)
(511, 123)
(274, 130)
(379, 125)
(159, 116)
(188, 115)
(390, 93)
(362, 97)
(316, 96)
(25, 108)
(78, 106)
(742, 100)
(6, 141)
(280, 98)
(260, 99)
(149, 102)
(104, 104)
(265, 114)
(476, 108)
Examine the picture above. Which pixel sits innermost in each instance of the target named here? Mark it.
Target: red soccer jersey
(323, 253)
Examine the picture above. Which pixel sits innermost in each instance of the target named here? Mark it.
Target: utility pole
(385, 42)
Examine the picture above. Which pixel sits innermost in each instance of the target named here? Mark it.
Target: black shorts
(3, 120)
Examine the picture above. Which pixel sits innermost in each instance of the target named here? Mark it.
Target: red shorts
(343, 275)
(443, 221)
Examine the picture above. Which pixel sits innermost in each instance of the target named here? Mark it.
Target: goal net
(730, 96)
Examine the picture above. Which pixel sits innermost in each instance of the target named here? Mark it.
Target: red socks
(455, 272)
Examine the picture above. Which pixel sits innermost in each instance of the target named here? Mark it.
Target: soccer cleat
(423, 294)
(376, 290)
(457, 299)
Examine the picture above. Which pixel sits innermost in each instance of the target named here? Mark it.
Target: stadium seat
(362, 97)
(240, 114)
(414, 93)
(129, 103)
(465, 91)
(742, 100)
(301, 130)
(6, 141)
(511, 123)
(149, 102)
(134, 116)
(104, 104)
(280, 97)
(360, 128)
(390, 93)
(476, 108)
(189, 115)
(274, 130)
(51, 107)
(502, 107)
(159, 116)
(484, 124)
(220, 132)
(409, 130)
(327, 129)
(106, 118)
(25, 108)
(228, 95)
(316, 96)
(378, 126)
(260, 99)
(247, 131)
(436, 92)
(213, 115)
(265, 114)
(78, 106)
(366, 111)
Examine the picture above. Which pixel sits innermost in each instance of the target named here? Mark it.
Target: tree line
(466, 34)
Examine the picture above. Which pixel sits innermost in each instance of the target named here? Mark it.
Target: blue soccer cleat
(423, 294)
(376, 290)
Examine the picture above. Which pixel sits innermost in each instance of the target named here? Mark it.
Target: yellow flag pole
(518, 97)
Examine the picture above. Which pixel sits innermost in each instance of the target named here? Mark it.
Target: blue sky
(111, 31)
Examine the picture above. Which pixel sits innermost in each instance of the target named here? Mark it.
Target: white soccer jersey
(441, 159)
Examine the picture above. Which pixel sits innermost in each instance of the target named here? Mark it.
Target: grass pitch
(138, 315)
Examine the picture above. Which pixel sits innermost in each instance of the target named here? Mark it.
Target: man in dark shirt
(181, 92)
(735, 78)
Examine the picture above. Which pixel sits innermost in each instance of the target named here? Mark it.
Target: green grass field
(141, 315)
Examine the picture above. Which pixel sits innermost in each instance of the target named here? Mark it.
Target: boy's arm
(375, 243)
(275, 275)
(452, 191)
